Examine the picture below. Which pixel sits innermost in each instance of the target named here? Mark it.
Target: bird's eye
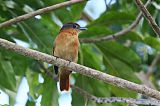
(75, 26)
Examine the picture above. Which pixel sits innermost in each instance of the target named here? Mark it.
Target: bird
(66, 46)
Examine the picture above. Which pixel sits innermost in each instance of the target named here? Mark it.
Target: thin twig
(153, 64)
(148, 17)
(144, 79)
(45, 69)
(156, 5)
(115, 99)
(118, 34)
(80, 69)
(47, 72)
(107, 4)
(38, 12)
(86, 102)
(86, 17)
(107, 7)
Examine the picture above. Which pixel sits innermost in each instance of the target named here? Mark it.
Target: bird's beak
(82, 28)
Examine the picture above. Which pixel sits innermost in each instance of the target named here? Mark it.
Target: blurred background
(23, 81)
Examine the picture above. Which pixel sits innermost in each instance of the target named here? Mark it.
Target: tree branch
(86, 17)
(80, 69)
(153, 64)
(118, 34)
(144, 79)
(116, 99)
(148, 17)
(38, 12)
(102, 99)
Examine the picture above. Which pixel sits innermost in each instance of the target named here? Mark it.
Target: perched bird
(66, 47)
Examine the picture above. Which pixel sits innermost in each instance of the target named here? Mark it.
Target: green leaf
(34, 85)
(91, 58)
(77, 99)
(153, 42)
(120, 92)
(132, 36)
(49, 2)
(4, 34)
(39, 34)
(32, 3)
(112, 18)
(120, 52)
(7, 75)
(30, 103)
(62, 12)
(19, 62)
(117, 68)
(76, 10)
(5, 105)
(49, 94)
(73, 12)
(95, 31)
(92, 86)
(50, 26)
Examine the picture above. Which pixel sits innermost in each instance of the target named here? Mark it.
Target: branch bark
(38, 12)
(148, 17)
(104, 99)
(118, 34)
(116, 99)
(80, 69)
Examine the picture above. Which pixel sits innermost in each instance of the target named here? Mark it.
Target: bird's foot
(56, 57)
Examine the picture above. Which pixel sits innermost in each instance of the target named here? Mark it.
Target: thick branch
(102, 99)
(148, 17)
(38, 12)
(116, 99)
(118, 34)
(80, 69)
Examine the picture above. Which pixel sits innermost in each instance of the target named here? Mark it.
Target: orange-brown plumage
(66, 47)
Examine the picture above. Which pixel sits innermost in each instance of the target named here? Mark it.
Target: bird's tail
(64, 80)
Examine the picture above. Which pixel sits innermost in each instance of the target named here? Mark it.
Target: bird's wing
(55, 67)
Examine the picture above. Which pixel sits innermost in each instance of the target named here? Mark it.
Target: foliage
(131, 53)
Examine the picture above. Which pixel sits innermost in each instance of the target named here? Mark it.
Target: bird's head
(72, 26)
